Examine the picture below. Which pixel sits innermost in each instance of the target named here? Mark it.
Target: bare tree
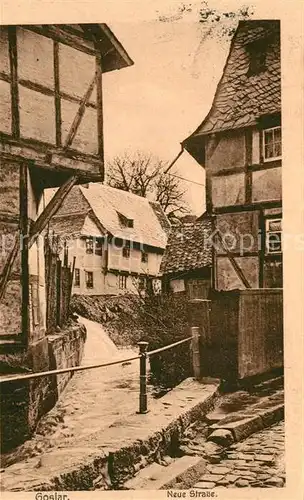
(145, 175)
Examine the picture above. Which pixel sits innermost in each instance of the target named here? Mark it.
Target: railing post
(143, 377)
(196, 360)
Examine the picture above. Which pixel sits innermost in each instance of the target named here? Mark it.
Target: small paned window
(126, 252)
(77, 277)
(89, 243)
(273, 236)
(272, 143)
(89, 279)
(98, 248)
(122, 282)
(142, 282)
(144, 257)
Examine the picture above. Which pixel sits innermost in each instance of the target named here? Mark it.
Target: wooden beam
(100, 134)
(24, 234)
(57, 94)
(262, 249)
(43, 89)
(53, 32)
(9, 265)
(77, 120)
(50, 210)
(233, 262)
(247, 207)
(5, 77)
(12, 38)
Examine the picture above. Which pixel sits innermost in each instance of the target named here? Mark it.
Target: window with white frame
(272, 143)
(273, 236)
(89, 243)
(77, 277)
(98, 247)
(144, 257)
(89, 279)
(126, 252)
(142, 282)
(122, 281)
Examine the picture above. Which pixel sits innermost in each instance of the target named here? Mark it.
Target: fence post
(143, 377)
(196, 360)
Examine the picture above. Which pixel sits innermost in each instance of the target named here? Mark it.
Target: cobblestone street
(257, 461)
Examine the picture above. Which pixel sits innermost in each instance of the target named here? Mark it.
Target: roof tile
(242, 93)
(188, 247)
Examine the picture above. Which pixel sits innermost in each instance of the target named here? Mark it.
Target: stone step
(180, 474)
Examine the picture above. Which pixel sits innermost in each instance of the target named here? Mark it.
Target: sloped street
(92, 400)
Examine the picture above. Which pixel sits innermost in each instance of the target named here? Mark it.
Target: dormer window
(272, 144)
(257, 54)
(125, 221)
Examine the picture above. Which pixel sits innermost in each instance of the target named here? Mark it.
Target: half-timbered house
(239, 144)
(51, 135)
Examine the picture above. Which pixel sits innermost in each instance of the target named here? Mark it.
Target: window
(122, 281)
(89, 279)
(89, 245)
(272, 143)
(77, 277)
(273, 236)
(142, 283)
(144, 257)
(125, 221)
(98, 247)
(257, 54)
(126, 252)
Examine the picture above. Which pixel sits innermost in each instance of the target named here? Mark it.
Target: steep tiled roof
(107, 202)
(68, 225)
(163, 219)
(240, 99)
(188, 247)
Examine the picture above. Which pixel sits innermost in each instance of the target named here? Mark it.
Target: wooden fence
(241, 332)
(59, 281)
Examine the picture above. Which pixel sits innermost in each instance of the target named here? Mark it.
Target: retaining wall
(24, 403)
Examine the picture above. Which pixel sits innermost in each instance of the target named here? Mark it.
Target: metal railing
(142, 356)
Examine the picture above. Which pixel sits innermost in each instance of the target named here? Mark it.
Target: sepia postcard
(151, 249)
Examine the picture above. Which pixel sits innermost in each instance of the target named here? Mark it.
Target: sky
(155, 104)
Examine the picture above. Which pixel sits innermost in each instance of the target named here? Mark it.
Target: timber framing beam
(77, 120)
(9, 266)
(24, 228)
(51, 209)
(12, 37)
(233, 262)
(37, 228)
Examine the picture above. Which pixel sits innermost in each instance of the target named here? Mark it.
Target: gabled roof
(188, 247)
(94, 39)
(162, 218)
(106, 203)
(67, 225)
(74, 225)
(241, 99)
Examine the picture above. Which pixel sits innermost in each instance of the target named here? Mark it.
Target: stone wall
(24, 403)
